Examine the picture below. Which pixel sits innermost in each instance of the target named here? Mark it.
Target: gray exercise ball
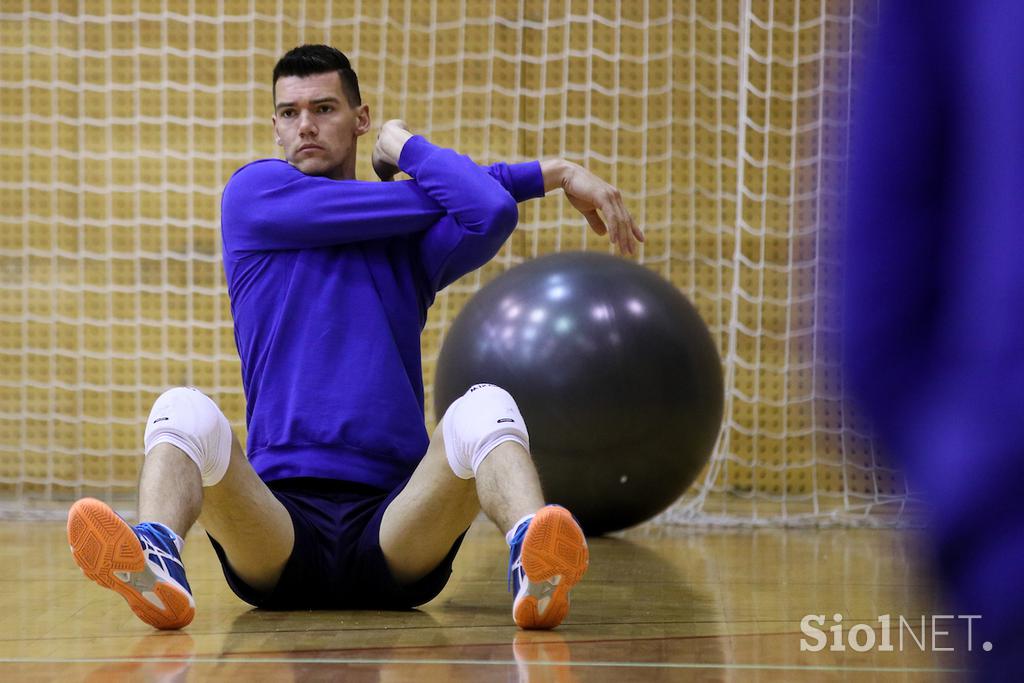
(614, 371)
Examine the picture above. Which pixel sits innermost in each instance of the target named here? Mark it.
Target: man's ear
(363, 122)
(277, 138)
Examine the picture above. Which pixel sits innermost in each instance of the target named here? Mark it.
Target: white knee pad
(477, 422)
(186, 418)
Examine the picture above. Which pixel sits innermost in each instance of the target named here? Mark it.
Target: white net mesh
(725, 125)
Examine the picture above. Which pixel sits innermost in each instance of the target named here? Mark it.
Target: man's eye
(287, 114)
(325, 108)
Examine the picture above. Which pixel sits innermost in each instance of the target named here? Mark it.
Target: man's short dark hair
(307, 60)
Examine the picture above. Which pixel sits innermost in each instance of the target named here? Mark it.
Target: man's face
(316, 125)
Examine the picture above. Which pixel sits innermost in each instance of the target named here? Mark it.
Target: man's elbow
(503, 213)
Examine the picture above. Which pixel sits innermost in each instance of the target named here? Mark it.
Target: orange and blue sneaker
(547, 556)
(142, 563)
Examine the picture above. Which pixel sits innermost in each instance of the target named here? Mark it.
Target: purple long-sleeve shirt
(330, 282)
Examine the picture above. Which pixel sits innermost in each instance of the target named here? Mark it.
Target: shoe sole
(102, 543)
(554, 546)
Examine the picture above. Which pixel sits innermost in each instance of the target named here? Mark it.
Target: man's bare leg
(508, 486)
(424, 520)
(240, 512)
(170, 489)
(248, 521)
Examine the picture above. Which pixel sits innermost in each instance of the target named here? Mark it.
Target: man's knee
(476, 423)
(187, 419)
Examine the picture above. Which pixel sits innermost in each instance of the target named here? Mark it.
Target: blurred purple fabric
(934, 290)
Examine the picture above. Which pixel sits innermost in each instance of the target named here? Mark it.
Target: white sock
(515, 527)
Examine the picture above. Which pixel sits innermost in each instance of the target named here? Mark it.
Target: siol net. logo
(924, 634)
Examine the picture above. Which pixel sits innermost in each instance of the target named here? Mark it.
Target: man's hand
(600, 203)
(386, 153)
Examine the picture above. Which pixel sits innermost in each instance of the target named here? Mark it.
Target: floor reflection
(160, 657)
(542, 657)
(663, 605)
(642, 604)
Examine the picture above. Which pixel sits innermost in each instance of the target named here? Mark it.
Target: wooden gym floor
(657, 605)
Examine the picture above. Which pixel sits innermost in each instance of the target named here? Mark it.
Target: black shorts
(337, 562)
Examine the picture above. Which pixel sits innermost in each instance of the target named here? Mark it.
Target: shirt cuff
(527, 181)
(415, 151)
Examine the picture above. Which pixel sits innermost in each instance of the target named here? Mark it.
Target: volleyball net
(725, 125)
